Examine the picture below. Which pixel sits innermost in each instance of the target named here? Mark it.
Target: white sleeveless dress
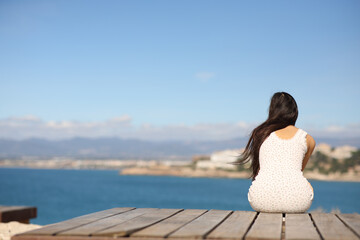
(280, 185)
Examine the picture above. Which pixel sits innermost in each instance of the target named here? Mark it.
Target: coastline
(161, 168)
(188, 172)
(183, 172)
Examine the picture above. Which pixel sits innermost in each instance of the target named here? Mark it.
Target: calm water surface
(63, 194)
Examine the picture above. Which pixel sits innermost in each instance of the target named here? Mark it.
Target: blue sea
(63, 194)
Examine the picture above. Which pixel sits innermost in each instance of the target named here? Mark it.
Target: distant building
(221, 160)
(338, 152)
(197, 158)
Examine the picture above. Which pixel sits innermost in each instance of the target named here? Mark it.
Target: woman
(279, 152)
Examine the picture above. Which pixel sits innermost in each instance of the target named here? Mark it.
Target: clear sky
(182, 63)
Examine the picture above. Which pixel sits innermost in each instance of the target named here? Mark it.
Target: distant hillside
(327, 160)
(110, 148)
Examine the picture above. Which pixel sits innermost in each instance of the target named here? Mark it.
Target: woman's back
(280, 185)
(283, 156)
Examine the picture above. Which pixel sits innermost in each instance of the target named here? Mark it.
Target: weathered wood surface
(202, 225)
(138, 223)
(165, 228)
(295, 225)
(330, 227)
(94, 227)
(351, 220)
(235, 226)
(156, 224)
(56, 228)
(266, 226)
(17, 213)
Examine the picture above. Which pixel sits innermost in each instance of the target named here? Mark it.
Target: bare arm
(310, 146)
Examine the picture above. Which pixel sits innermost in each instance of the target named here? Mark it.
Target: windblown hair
(283, 111)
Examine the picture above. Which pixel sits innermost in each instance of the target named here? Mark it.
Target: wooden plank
(75, 222)
(104, 213)
(51, 237)
(266, 226)
(202, 225)
(105, 223)
(331, 228)
(352, 220)
(138, 223)
(234, 227)
(56, 237)
(300, 226)
(17, 213)
(166, 227)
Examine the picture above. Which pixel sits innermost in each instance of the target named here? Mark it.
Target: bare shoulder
(310, 141)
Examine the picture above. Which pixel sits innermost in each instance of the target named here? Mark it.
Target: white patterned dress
(280, 185)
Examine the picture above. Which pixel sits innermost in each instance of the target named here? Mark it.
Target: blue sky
(163, 64)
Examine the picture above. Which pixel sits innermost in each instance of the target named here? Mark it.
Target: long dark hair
(283, 111)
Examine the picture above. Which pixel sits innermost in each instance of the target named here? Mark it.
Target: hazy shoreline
(347, 177)
(159, 168)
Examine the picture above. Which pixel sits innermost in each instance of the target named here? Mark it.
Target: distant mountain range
(117, 148)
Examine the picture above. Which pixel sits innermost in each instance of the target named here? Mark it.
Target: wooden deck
(17, 213)
(153, 223)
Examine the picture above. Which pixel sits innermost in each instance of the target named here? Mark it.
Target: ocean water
(63, 194)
